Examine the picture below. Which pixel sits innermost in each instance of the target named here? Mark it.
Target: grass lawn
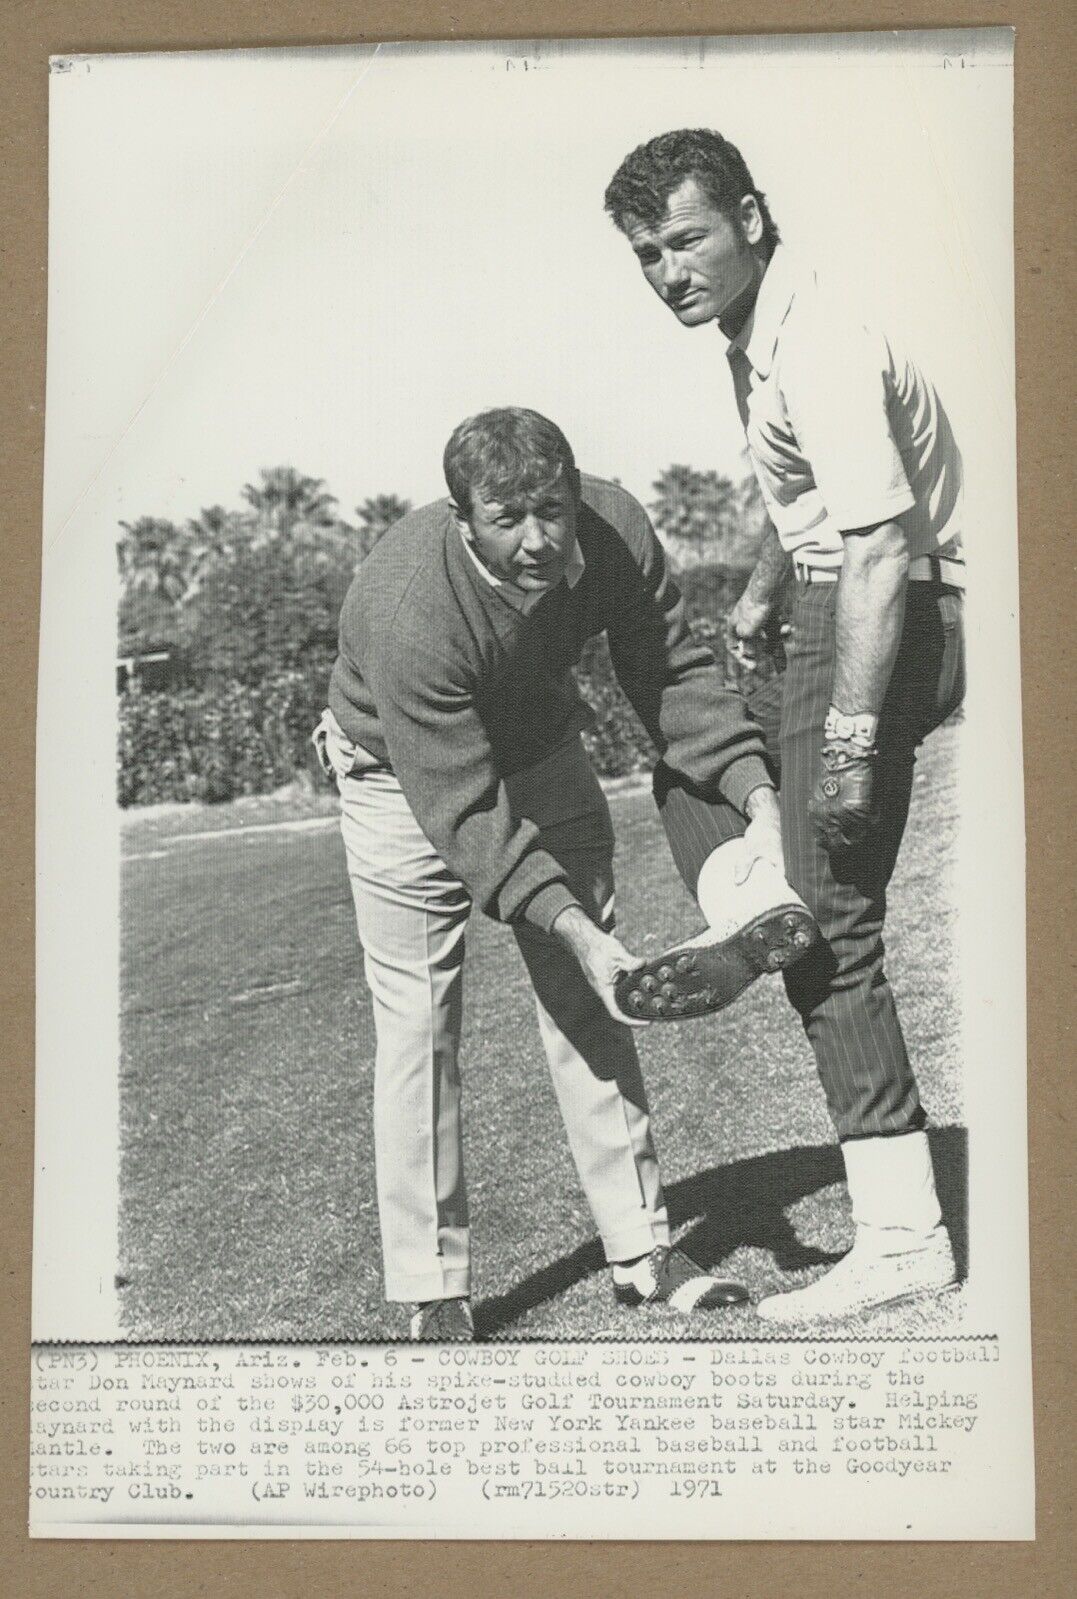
(247, 1182)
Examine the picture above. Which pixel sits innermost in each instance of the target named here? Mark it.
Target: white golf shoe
(865, 1281)
(901, 1251)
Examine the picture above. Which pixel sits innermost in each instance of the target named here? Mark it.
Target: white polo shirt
(844, 431)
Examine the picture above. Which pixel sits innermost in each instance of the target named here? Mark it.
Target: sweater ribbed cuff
(543, 908)
(745, 774)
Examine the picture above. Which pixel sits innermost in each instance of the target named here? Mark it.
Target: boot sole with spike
(699, 979)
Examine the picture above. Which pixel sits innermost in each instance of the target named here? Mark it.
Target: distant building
(153, 669)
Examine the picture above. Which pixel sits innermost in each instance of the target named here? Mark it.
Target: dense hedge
(213, 744)
(226, 737)
(217, 742)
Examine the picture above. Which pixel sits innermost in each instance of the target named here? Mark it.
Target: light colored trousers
(411, 913)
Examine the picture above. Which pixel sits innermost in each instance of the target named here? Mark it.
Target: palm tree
(285, 497)
(154, 559)
(155, 576)
(212, 536)
(214, 527)
(378, 514)
(699, 514)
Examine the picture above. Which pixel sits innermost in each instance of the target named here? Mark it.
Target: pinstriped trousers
(840, 990)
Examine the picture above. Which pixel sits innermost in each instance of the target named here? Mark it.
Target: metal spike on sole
(682, 984)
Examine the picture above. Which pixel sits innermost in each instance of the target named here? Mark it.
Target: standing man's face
(699, 260)
(526, 540)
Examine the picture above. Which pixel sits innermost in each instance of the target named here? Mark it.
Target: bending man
(454, 733)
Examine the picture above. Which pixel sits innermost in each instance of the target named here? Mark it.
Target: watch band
(859, 729)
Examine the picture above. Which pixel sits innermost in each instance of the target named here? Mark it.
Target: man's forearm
(672, 681)
(576, 930)
(870, 616)
(770, 572)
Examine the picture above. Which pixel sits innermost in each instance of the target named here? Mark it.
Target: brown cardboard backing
(30, 31)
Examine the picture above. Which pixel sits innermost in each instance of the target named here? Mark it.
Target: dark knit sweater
(441, 678)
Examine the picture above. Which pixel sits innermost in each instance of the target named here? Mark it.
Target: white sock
(892, 1188)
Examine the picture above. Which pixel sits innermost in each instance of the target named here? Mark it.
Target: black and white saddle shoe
(667, 1276)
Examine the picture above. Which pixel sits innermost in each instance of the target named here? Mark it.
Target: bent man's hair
(504, 455)
(643, 183)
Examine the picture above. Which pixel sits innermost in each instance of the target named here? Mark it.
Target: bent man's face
(527, 541)
(698, 260)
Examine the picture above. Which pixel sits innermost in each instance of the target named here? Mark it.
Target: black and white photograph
(529, 624)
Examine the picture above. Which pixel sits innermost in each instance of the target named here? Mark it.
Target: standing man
(862, 480)
(454, 734)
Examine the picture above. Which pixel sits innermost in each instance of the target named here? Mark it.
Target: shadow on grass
(742, 1204)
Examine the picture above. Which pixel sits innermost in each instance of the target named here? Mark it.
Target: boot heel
(774, 941)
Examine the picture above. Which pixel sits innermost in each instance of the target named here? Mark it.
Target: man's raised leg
(756, 923)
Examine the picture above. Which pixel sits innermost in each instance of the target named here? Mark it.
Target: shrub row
(225, 737)
(216, 742)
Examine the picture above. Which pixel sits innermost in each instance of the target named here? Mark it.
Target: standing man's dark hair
(644, 181)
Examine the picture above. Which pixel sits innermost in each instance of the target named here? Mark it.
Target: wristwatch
(855, 729)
